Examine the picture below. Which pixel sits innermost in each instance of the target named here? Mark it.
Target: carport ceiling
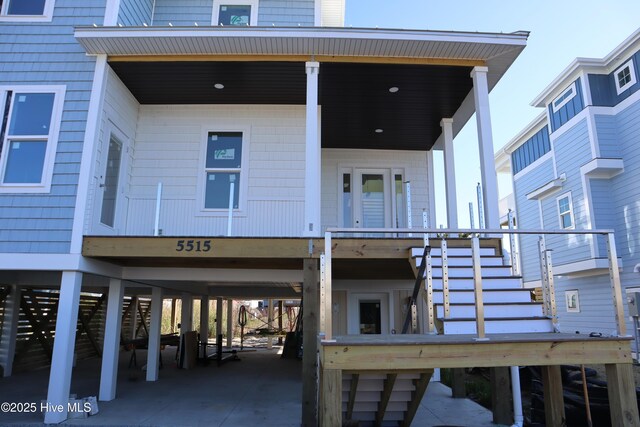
(355, 97)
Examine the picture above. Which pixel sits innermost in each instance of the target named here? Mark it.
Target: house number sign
(193, 245)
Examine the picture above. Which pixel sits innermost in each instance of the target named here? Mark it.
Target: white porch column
(204, 320)
(186, 314)
(431, 185)
(64, 346)
(485, 141)
(229, 323)
(111, 346)
(10, 329)
(155, 324)
(312, 194)
(449, 173)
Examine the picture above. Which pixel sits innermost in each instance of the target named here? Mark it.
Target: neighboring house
(577, 166)
(197, 149)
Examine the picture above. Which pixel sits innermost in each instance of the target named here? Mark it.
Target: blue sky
(561, 30)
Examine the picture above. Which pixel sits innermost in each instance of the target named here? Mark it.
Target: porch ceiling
(355, 97)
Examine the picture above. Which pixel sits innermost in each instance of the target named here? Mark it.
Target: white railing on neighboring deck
(549, 304)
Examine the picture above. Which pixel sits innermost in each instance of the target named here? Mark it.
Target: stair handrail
(614, 272)
(416, 290)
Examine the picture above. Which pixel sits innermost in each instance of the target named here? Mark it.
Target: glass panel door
(110, 183)
(370, 317)
(371, 199)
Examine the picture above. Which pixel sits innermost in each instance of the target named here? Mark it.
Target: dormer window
(625, 77)
(564, 97)
(235, 13)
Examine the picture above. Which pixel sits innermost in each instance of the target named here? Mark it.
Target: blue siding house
(201, 150)
(576, 166)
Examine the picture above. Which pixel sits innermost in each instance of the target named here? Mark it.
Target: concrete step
(500, 310)
(488, 283)
(435, 251)
(498, 326)
(463, 261)
(488, 296)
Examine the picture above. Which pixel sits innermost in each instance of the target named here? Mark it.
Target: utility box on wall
(633, 301)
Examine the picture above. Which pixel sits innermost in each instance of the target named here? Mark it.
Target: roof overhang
(497, 51)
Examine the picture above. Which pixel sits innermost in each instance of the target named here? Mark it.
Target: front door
(372, 198)
(370, 317)
(109, 193)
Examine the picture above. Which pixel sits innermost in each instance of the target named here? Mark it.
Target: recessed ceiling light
(393, 89)
(379, 130)
(218, 86)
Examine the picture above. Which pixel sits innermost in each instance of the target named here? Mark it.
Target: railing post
(548, 288)
(614, 274)
(477, 288)
(431, 326)
(425, 225)
(230, 213)
(325, 297)
(323, 292)
(156, 225)
(407, 186)
(512, 244)
(445, 278)
(414, 318)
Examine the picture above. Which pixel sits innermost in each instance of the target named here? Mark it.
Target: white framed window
(572, 301)
(235, 13)
(29, 130)
(625, 77)
(26, 10)
(565, 211)
(224, 165)
(566, 96)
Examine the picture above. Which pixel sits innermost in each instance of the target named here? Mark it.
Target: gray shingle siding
(46, 53)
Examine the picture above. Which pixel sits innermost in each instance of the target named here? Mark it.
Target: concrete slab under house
(224, 152)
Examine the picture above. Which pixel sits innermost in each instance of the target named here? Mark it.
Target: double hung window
(28, 136)
(223, 165)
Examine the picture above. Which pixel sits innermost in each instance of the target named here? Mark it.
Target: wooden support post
(270, 315)
(204, 324)
(310, 302)
(331, 397)
(622, 395)
(219, 314)
(173, 314)
(64, 346)
(553, 397)
(155, 324)
(111, 346)
(389, 382)
(353, 389)
(421, 385)
(458, 389)
(501, 404)
(10, 329)
(229, 323)
(134, 317)
(280, 320)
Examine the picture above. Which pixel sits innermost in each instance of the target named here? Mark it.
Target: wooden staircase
(508, 306)
(382, 398)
